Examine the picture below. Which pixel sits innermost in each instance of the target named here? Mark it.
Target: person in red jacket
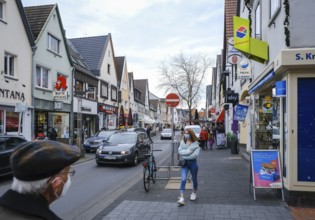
(203, 138)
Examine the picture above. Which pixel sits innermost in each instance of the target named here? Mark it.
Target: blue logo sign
(281, 88)
(240, 112)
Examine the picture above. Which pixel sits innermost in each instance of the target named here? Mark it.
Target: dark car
(94, 142)
(123, 148)
(7, 145)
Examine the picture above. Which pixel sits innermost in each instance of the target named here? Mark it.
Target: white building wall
(56, 63)
(13, 39)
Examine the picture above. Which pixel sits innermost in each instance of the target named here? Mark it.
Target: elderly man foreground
(41, 174)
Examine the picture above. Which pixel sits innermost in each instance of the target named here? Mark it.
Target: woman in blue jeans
(189, 150)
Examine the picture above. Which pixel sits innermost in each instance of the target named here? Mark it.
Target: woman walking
(189, 150)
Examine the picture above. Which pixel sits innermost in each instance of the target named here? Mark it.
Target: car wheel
(135, 159)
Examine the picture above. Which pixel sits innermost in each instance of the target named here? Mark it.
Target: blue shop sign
(281, 88)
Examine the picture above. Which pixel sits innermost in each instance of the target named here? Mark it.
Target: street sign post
(172, 100)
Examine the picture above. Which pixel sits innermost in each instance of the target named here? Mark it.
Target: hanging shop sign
(281, 89)
(244, 69)
(60, 87)
(60, 95)
(232, 98)
(233, 56)
(240, 112)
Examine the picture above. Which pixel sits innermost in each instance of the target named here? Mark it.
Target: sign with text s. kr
(295, 57)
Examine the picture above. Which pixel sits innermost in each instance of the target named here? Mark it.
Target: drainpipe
(72, 113)
(34, 48)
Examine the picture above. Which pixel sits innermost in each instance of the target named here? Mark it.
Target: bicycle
(149, 170)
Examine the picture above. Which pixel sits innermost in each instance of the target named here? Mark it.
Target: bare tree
(184, 74)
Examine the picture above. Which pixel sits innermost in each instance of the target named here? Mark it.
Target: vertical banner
(266, 169)
(240, 112)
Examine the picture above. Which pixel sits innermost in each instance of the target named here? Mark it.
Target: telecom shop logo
(243, 64)
(241, 32)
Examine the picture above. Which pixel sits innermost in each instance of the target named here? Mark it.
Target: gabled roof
(119, 62)
(25, 22)
(152, 96)
(141, 85)
(37, 17)
(77, 60)
(92, 50)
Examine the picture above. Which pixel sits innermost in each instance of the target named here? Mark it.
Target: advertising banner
(240, 112)
(266, 169)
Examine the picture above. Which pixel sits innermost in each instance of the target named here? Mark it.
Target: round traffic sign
(172, 100)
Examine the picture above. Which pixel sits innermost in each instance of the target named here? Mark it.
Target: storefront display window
(267, 123)
(12, 122)
(60, 122)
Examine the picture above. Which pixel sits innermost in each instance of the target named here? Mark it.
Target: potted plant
(232, 142)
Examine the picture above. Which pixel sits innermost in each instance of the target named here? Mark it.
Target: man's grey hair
(30, 187)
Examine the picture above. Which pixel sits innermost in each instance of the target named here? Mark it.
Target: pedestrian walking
(189, 151)
(210, 138)
(41, 174)
(149, 132)
(214, 132)
(203, 138)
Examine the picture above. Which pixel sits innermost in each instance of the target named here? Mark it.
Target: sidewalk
(223, 193)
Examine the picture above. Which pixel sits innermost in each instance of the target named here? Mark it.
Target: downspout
(72, 112)
(34, 48)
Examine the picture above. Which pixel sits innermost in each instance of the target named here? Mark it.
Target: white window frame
(274, 9)
(53, 43)
(9, 69)
(1, 10)
(258, 21)
(41, 84)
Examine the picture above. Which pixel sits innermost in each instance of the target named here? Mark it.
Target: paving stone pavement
(224, 192)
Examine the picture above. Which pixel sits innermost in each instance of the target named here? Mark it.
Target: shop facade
(108, 116)
(283, 116)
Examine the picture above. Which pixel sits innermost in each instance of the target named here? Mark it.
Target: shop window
(42, 77)
(12, 122)
(1, 121)
(267, 130)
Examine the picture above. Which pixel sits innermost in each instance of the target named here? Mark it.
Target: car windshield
(122, 138)
(104, 134)
(167, 131)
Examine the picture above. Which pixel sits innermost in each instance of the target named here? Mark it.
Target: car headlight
(124, 152)
(99, 150)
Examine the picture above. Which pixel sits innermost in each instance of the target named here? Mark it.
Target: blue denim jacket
(189, 152)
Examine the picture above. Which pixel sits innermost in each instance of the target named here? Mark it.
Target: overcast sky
(147, 31)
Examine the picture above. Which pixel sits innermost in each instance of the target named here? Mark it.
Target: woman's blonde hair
(192, 134)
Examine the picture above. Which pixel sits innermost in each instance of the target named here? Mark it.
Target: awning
(220, 118)
(148, 120)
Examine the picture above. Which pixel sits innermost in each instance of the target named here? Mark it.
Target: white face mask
(65, 188)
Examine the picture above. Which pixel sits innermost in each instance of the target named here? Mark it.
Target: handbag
(182, 163)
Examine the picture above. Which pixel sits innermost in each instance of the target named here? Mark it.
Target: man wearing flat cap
(41, 174)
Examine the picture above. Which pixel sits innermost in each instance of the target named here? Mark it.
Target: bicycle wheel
(146, 179)
(153, 171)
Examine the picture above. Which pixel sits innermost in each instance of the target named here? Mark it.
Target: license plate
(110, 157)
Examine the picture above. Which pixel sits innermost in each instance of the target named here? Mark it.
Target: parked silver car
(166, 133)
(94, 142)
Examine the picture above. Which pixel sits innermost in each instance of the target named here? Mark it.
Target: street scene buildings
(261, 90)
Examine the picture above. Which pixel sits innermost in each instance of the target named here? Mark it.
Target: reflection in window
(104, 89)
(53, 43)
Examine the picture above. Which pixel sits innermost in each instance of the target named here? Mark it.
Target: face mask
(65, 188)
(186, 136)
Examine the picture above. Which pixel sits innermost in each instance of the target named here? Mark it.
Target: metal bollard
(174, 145)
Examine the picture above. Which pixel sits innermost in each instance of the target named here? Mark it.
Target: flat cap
(37, 160)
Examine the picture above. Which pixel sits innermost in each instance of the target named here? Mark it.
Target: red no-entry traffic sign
(172, 100)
